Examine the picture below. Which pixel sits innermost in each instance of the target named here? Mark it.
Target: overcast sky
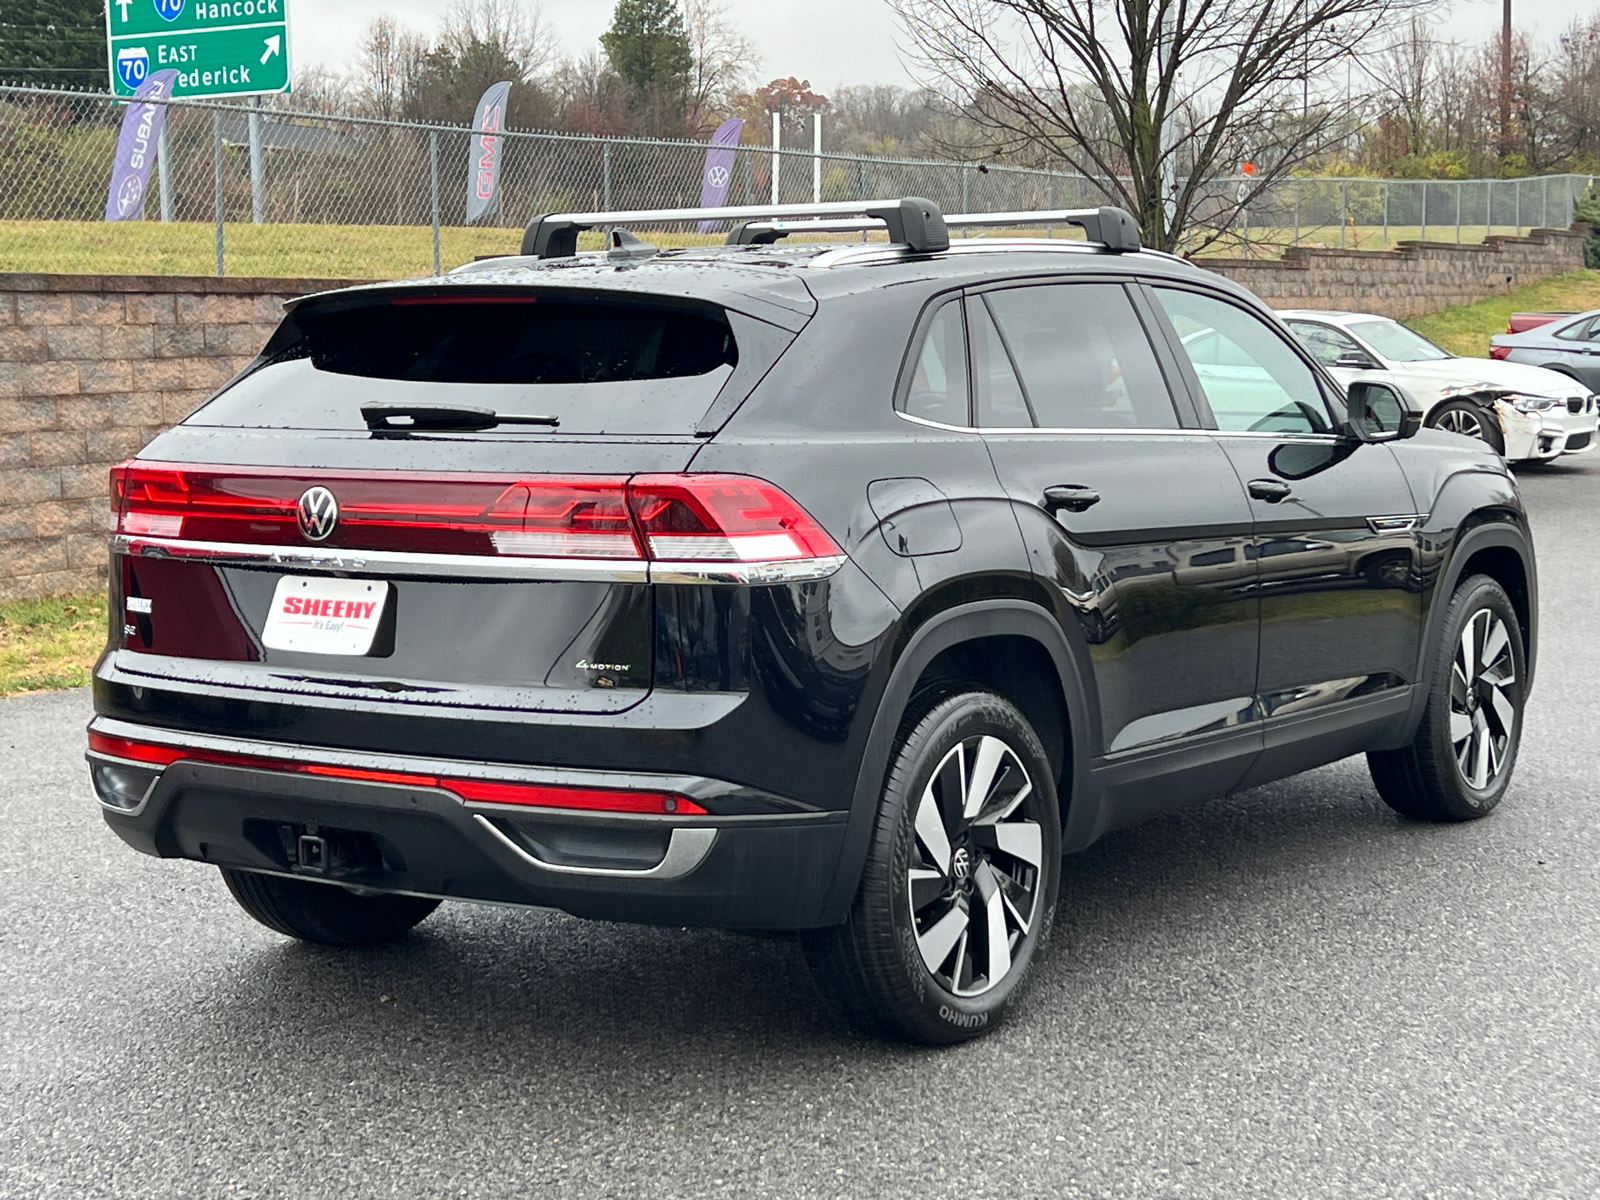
(828, 42)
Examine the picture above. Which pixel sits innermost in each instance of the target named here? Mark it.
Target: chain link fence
(255, 191)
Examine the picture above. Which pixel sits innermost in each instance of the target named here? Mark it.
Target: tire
(913, 961)
(1459, 765)
(324, 913)
(1470, 420)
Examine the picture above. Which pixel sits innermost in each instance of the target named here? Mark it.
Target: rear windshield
(598, 367)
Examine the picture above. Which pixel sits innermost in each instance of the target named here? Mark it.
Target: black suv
(837, 588)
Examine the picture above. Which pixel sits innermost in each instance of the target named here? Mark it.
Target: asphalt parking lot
(1288, 993)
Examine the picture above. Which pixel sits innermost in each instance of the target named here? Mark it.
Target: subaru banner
(483, 170)
(136, 147)
(719, 167)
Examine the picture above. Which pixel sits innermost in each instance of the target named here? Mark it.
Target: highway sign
(218, 47)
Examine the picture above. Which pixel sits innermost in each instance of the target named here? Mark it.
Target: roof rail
(912, 222)
(1113, 228)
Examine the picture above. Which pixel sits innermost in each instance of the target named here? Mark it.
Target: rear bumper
(759, 870)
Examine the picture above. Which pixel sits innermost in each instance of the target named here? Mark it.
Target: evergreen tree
(649, 47)
(61, 43)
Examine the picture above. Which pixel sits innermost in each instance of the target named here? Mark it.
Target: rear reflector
(1500, 352)
(482, 791)
(668, 518)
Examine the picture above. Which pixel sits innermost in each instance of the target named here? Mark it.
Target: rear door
(1576, 349)
(1134, 517)
(1335, 555)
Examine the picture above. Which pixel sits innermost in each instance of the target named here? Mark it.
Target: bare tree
(1405, 73)
(1156, 98)
(725, 62)
(389, 65)
(516, 29)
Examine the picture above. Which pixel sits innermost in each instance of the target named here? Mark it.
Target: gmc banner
(136, 147)
(719, 167)
(483, 168)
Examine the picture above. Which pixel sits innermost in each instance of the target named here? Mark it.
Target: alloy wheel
(1483, 711)
(975, 882)
(1462, 421)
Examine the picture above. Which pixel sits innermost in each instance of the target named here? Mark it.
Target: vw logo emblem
(318, 513)
(961, 865)
(719, 176)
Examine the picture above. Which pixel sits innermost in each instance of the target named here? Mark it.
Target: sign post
(218, 47)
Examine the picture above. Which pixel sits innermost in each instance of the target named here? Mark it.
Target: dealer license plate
(325, 616)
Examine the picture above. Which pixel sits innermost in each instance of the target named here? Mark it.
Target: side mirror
(1354, 360)
(1379, 413)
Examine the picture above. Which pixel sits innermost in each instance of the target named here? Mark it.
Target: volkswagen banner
(719, 167)
(136, 147)
(483, 171)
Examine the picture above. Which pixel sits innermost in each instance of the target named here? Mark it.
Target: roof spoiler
(1113, 228)
(912, 222)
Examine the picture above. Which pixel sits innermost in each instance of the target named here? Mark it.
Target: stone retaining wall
(91, 368)
(1414, 277)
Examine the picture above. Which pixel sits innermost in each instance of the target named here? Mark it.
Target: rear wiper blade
(415, 418)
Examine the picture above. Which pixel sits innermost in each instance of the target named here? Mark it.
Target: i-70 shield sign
(218, 47)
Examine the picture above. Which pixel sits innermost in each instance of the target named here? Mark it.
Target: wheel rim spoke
(986, 764)
(1460, 728)
(1021, 839)
(1495, 644)
(931, 831)
(1480, 761)
(994, 909)
(941, 938)
(926, 887)
(1504, 711)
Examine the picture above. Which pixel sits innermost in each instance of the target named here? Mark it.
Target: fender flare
(1483, 536)
(963, 623)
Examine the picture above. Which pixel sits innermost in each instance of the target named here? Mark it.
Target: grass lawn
(50, 643)
(1466, 329)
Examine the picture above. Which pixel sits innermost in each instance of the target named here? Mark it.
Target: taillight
(1499, 352)
(583, 517)
(723, 518)
(684, 519)
(483, 791)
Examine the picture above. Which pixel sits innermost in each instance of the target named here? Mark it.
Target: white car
(1524, 412)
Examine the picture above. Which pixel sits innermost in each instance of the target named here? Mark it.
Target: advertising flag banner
(719, 167)
(483, 169)
(136, 147)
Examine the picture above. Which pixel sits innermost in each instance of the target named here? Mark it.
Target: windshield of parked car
(1397, 343)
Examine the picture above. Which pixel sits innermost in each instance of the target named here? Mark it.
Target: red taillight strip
(530, 795)
(692, 520)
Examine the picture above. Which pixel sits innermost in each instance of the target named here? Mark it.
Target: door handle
(1073, 497)
(1273, 491)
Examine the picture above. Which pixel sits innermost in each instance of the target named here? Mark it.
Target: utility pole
(1505, 82)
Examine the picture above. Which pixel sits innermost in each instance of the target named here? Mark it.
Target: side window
(1002, 404)
(1084, 357)
(1580, 331)
(1252, 379)
(938, 390)
(1327, 344)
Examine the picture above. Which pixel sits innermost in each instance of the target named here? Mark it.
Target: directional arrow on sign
(274, 45)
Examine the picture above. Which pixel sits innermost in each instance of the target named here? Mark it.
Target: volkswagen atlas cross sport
(785, 585)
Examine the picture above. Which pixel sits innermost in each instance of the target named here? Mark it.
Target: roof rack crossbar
(1113, 228)
(912, 222)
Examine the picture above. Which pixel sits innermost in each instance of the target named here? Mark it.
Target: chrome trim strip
(385, 562)
(754, 572)
(1403, 523)
(686, 849)
(95, 756)
(390, 564)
